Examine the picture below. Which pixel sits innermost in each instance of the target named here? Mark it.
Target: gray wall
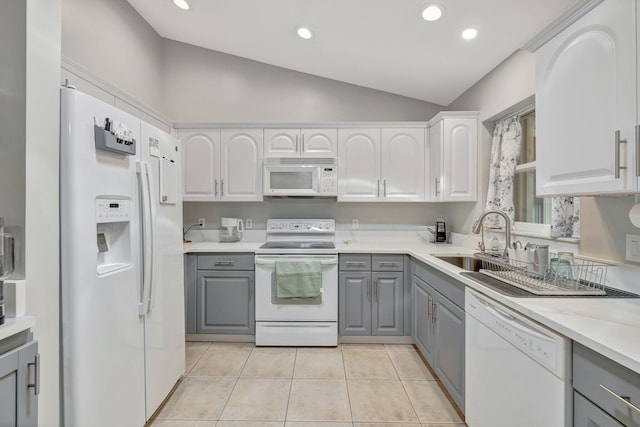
(12, 122)
(192, 84)
(372, 216)
(110, 39)
(204, 86)
(605, 220)
(29, 124)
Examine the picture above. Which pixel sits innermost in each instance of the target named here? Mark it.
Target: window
(528, 207)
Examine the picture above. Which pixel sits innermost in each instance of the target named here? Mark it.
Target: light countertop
(607, 325)
(15, 325)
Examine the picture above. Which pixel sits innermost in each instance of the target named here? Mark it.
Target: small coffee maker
(441, 232)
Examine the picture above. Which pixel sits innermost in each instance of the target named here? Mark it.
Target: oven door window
(298, 180)
(291, 301)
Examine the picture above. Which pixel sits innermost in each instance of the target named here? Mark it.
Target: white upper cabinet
(358, 165)
(221, 165)
(200, 165)
(402, 168)
(586, 105)
(241, 165)
(381, 165)
(300, 143)
(453, 157)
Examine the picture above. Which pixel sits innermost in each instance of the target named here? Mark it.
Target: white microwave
(300, 176)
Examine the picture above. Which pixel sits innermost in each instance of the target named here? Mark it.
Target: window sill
(534, 234)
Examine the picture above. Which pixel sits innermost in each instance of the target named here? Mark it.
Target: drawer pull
(389, 264)
(356, 264)
(623, 399)
(225, 263)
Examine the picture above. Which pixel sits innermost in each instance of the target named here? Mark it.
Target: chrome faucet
(478, 227)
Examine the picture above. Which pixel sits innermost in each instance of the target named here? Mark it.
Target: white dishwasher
(517, 372)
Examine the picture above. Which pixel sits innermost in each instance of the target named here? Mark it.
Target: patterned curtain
(505, 151)
(565, 217)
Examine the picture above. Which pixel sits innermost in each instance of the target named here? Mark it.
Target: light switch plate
(633, 248)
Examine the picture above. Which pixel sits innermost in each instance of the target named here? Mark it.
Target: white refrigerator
(122, 292)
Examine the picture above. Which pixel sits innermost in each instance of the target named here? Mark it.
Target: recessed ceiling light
(432, 13)
(305, 33)
(469, 34)
(182, 4)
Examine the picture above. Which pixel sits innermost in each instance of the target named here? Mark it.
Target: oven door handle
(259, 261)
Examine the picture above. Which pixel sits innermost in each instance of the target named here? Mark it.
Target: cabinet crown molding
(574, 13)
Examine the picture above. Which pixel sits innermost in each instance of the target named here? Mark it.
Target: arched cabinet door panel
(585, 96)
(200, 164)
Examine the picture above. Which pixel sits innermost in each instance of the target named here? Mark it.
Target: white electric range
(297, 321)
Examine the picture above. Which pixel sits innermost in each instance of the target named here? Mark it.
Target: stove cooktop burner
(298, 245)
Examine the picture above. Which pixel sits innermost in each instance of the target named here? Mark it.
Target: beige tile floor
(354, 385)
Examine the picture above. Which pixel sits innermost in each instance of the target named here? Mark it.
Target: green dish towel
(298, 279)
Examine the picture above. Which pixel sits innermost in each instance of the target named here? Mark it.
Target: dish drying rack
(582, 277)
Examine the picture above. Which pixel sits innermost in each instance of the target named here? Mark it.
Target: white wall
(604, 220)
(42, 197)
(204, 86)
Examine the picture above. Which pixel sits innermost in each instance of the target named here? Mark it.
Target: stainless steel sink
(465, 262)
(472, 265)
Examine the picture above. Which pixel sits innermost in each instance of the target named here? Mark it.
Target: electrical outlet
(355, 224)
(633, 248)
(201, 222)
(248, 223)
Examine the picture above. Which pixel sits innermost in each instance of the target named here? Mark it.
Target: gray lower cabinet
(606, 394)
(18, 398)
(438, 326)
(371, 295)
(219, 293)
(423, 325)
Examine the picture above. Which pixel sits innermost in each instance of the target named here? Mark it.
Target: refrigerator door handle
(147, 237)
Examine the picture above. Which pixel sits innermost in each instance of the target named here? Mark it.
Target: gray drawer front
(357, 262)
(586, 414)
(226, 262)
(591, 371)
(387, 262)
(446, 285)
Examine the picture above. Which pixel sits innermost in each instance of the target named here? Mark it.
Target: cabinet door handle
(437, 186)
(368, 285)
(617, 165)
(251, 286)
(36, 383)
(222, 188)
(433, 311)
(302, 144)
(378, 188)
(225, 263)
(296, 143)
(375, 290)
(624, 399)
(638, 150)
(385, 189)
(429, 308)
(216, 191)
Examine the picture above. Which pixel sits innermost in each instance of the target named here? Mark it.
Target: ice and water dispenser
(113, 240)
